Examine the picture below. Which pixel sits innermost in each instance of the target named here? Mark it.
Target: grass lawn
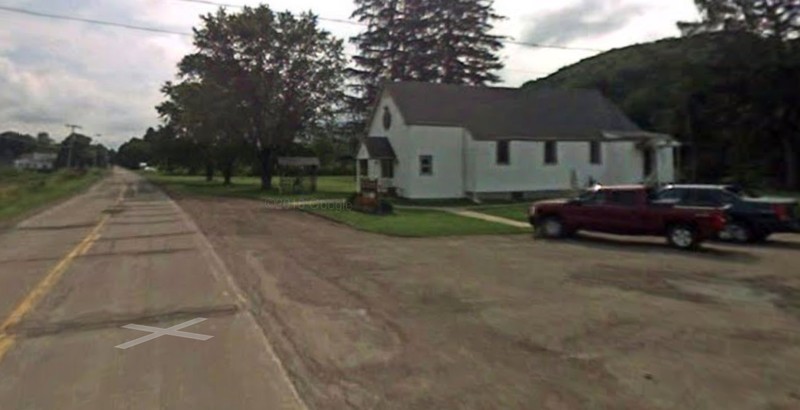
(516, 212)
(23, 192)
(404, 222)
(419, 223)
(433, 203)
(250, 187)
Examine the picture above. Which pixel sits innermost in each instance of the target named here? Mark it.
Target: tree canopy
(710, 90)
(444, 41)
(258, 79)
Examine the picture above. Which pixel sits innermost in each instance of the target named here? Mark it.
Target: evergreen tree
(382, 49)
(778, 19)
(441, 41)
(463, 51)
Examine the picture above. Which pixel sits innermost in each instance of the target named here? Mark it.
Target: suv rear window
(704, 197)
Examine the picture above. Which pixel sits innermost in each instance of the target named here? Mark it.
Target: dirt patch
(788, 297)
(698, 288)
(365, 321)
(655, 282)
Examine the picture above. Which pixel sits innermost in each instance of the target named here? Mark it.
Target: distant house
(37, 161)
(447, 141)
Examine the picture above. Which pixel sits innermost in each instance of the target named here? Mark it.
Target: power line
(355, 23)
(208, 2)
(239, 6)
(143, 28)
(90, 21)
(537, 45)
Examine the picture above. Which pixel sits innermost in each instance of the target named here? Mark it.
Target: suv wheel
(550, 227)
(682, 237)
(737, 232)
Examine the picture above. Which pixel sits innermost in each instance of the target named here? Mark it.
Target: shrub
(385, 207)
(370, 205)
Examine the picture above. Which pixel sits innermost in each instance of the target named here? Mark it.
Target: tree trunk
(209, 172)
(227, 172)
(790, 163)
(265, 158)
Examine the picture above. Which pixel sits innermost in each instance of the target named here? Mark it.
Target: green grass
(419, 223)
(24, 192)
(516, 212)
(250, 187)
(433, 203)
(404, 222)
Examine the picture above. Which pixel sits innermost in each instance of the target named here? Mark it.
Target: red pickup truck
(627, 210)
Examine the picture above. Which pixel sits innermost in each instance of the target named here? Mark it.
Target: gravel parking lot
(508, 322)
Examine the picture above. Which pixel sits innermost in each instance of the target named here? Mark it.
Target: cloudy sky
(107, 79)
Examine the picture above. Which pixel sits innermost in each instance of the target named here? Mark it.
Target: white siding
(398, 135)
(374, 167)
(444, 144)
(462, 165)
(666, 164)
(621, 164)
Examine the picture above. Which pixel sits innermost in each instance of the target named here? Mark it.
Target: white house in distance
(36, 161)
(430, 141)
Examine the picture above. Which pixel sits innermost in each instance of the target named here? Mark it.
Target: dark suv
(751, 218)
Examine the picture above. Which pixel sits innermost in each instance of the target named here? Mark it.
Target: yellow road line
(45, 285)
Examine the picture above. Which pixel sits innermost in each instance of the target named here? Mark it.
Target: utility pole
(72, 127)
(97, 148)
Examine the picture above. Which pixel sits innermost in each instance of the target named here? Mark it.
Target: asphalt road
(124, 254)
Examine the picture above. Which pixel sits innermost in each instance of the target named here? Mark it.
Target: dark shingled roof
(380, 148)
(491, 113)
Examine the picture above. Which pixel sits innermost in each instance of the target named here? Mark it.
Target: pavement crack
(57, 227)
(104, 320)
(163, 235)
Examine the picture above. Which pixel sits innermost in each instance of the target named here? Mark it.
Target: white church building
(430, 141)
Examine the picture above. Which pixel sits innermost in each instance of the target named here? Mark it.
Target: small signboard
(370, 188)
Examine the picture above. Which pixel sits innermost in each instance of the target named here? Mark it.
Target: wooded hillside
(718, 92)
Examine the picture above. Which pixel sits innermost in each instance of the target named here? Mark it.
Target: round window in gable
(387, 118)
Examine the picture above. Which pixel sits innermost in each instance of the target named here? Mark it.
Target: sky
(108, 79)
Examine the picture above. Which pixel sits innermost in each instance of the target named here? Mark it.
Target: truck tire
(739, 232)
(550, 227)
(683, 236)
(761, 237)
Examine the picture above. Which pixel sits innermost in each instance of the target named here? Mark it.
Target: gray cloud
(586, 19)
(107, 80)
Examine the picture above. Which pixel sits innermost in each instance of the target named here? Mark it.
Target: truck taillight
(781, 212)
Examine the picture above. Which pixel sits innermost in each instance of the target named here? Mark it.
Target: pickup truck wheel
(550, 227)
(761, 237)
(738, 232)
(682, 237)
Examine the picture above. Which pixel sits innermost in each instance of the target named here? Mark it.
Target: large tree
(383, 49)
(204, 119)
(778, 19)
(464, 51)
(443, 41)
(14, 144)
(764, 84)
(274, 76)
(76, 151)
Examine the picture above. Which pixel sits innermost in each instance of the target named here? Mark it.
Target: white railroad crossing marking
(156, 332)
